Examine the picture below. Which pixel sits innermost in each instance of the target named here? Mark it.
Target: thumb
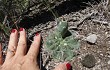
(63, 66)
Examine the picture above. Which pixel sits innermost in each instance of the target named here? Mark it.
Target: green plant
(47, 3)
(60, 45)
(10, 12)
(12, 8)
(5, 29)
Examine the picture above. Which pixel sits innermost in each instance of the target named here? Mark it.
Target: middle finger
(22, 45)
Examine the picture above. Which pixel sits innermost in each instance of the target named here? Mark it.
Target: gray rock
(109, 62)
(92, 38)
(89, 61)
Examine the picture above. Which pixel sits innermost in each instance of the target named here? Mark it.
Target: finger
(1, 56)
(12, 43)
(22, 45)
(34, 49)
(63, 66)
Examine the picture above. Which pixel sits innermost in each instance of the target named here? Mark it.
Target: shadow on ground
(64, 8)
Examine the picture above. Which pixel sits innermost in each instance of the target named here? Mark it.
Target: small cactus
(60, 46)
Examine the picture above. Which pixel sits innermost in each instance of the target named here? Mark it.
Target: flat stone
(89, 61)
(91, 38)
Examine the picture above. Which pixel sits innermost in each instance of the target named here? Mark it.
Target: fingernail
(13, 30)
(37, 34)
(68, 66)
(21, 29)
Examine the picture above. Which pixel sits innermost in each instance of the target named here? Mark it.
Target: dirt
(89, 20)
(83, 22)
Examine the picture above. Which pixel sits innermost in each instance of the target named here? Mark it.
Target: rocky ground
(93, 30)
(92, 27)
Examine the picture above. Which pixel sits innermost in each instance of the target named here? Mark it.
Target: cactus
(60, 46)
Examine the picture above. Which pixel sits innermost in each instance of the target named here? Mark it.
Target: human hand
(18, 59)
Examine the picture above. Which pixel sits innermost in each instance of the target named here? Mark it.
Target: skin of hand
(18, 59)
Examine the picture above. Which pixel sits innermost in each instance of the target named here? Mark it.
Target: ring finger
(12, 43)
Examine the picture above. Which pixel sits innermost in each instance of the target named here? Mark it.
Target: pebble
(89, 61)
(101, 54)
(108, 56)
(109, 62)
(91, 38)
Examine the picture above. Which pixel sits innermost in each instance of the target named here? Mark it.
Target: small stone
(101, 54)
(92, 38)
(74, 19)
(89, 61)
(108, 56)
(109, 62)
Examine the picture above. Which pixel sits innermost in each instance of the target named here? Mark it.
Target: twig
(17, 21)
(86, 17)
(46, 60)
(102, 22)
(5, 20)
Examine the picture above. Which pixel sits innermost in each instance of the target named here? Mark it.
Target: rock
(89, 61)
(92, 38)
(109, 62)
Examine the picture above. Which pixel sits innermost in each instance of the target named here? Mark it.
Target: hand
(18, 59)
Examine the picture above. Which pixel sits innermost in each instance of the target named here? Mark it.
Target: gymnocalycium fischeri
(61, 45)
